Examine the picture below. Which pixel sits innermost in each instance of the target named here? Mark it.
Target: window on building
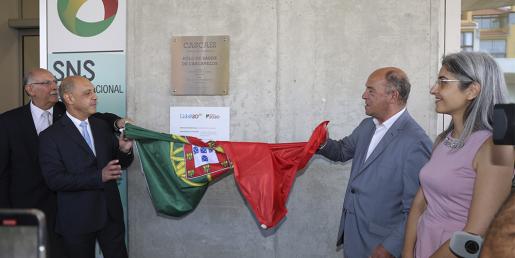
(496, 47)
(467, 41)
(488, 22)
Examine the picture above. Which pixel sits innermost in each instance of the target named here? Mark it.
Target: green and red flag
(176, 184)
(178, 170)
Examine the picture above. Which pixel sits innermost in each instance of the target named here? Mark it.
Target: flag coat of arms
(178, 170)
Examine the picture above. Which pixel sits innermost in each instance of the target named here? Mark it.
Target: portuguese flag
(176, 185)
(178, 170)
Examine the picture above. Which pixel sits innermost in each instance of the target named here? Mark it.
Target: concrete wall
(293, 65)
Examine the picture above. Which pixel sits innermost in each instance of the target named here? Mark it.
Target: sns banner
(87, 38)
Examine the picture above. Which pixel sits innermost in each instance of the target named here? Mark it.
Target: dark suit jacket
(21, 182)
(382, 187)
(72, 170)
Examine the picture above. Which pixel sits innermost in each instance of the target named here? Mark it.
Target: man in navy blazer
(387, 151)
(81, 160)
(21, 182)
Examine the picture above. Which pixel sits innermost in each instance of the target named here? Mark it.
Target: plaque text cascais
(200, 65)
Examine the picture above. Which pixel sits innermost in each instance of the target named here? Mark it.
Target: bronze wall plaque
(200, 65)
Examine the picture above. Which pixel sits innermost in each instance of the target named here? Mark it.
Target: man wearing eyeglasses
(21, 182)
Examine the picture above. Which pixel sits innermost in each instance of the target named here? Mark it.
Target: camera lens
(471, 247)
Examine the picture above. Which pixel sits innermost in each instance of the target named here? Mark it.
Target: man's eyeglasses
(46, 83)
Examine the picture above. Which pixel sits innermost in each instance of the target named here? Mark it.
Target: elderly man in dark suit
(387, 151)
(81, 160)
(21, 183)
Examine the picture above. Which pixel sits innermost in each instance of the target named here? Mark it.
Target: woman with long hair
(461, 188)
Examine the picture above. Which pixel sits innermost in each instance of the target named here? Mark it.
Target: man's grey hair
(28, 77)
(399, 81)
(480, 68)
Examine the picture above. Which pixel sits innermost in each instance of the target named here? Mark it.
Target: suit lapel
(97, 137)
(390, 136)
(28, 132)
(27, 125)
(360, 159)
(74, 134)
(381, 146)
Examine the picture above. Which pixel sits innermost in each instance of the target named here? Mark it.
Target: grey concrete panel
(314, 210)
(253, 61)
(293, 64)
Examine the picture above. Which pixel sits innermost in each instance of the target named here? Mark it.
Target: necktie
(46, 121)
(84, 126)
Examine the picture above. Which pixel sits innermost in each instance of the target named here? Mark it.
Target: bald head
(78, 94)
(396, 80)
(68, 84)
(386, 93)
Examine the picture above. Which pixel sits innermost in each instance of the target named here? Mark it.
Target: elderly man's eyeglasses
(46, 83)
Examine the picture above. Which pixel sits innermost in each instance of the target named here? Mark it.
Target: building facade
(492, 31)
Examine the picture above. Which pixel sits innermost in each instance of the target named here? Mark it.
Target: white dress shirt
(381, 130)
(39, 119)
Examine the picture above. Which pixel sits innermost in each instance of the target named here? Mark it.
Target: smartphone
(23, 233)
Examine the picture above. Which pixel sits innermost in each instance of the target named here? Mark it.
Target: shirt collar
(36, 111)
(75, 121)
(389, 122)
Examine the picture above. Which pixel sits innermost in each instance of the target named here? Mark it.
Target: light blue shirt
(77, 122)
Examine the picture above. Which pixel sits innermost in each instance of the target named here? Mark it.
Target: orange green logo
(68, 10)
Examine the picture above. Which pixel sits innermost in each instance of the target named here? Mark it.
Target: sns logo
(190, 116)
(68, 10)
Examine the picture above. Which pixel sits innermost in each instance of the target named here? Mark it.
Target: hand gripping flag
(178, 173)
